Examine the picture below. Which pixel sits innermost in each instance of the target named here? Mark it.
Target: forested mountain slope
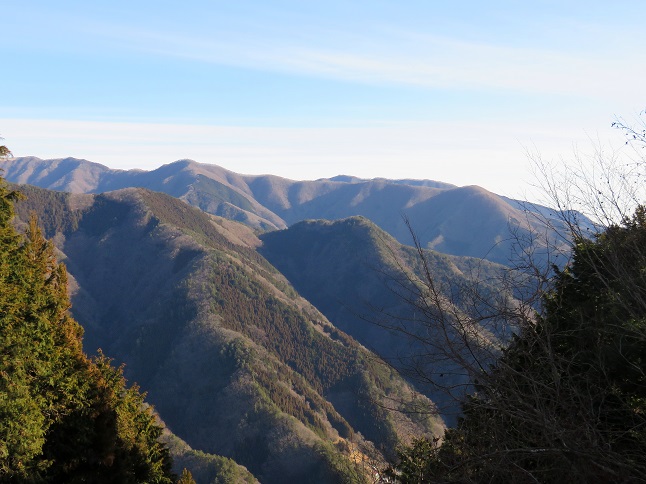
(234, 360)
(362, 280)
(456, 220)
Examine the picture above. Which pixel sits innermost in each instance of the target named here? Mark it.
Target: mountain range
(262, 315)
(468, 221)
(236, 363)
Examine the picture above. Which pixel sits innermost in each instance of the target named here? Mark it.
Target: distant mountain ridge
(467, 220)
(403, 181)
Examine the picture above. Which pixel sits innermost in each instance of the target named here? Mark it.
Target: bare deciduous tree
(555, 360)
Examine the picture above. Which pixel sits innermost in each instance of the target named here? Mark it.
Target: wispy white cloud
(585, 60)
(394, 57)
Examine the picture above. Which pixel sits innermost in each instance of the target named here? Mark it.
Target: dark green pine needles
(63, 417)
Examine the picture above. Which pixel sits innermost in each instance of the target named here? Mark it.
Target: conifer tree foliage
(566, 401)
(63, 417)
(4, 152)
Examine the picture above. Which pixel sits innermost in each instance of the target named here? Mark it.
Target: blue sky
(452, 91)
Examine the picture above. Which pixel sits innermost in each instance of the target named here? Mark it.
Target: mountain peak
(344, 179)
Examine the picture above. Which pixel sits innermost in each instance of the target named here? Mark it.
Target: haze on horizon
(455, 92)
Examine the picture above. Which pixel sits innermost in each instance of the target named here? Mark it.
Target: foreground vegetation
(565, 401)
(63, 417)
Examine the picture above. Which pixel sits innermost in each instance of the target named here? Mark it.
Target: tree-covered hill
(236, 363)
(360, 278)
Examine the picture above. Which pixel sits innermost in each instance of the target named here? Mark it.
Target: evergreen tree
(63, 417)
(186, 478)
(4, 152)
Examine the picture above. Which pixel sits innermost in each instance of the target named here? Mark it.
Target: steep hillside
(209, 187)
(461, 221)
(235, 361)
(359, 277)
(205, 468)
